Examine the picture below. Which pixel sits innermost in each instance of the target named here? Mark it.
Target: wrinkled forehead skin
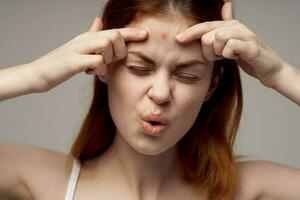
(161, 44)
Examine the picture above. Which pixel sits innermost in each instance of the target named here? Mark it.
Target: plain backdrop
(269, 128)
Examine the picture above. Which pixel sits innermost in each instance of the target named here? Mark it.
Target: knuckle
(221, 35)
(252, 37)
(99, 60)
(242, 27)
(255, 50)
(231, 43)
(115, 35)
(205, 40)
(106, 43)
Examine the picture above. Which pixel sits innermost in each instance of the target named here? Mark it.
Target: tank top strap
(73, 180)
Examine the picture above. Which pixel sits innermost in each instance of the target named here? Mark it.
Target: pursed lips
(156, 118)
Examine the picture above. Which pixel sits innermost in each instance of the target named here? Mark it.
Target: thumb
(97, 25)
(227, 11)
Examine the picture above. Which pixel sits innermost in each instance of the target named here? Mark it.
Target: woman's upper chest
(112, 192)
(54, 185)
(94, 186)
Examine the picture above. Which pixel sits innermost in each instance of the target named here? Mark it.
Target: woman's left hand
(233, 40)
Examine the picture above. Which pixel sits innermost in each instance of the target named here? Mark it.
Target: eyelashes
(182, 76)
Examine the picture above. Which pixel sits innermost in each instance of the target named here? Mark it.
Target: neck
(143, 175)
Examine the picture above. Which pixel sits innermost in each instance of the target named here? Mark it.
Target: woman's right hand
(89, 52)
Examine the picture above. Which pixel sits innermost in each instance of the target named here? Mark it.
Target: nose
(160, 91)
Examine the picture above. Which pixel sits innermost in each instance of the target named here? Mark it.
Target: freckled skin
(164, 36)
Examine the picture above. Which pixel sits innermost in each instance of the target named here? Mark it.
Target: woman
(165, 111)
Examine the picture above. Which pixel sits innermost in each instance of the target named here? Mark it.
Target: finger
(97, 42)
(246, 50)
(197, 31)
(118, 37)
(91, 46)
(87, 62)
(98, 71)
(133, 34)
(223, 35)
(234, 49)
(98, 66)
(227, 11)
(108, 52)
(97, 25)
(118, 48)
(111, 46)
(207, 42)
(128, 34)
(92, 62)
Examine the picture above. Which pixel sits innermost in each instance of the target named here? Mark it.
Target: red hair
(205, 152)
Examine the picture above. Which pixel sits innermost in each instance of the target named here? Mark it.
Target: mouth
(153, 123)
(153, 128)
(155, 119)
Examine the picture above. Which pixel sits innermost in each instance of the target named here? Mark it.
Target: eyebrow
(148, 60)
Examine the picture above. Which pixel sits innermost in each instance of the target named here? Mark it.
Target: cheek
(129, 86)
(189, 104)
(120, 96)
(186, 114)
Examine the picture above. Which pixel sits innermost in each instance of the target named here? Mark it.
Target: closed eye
(138, 69)
(144, 71)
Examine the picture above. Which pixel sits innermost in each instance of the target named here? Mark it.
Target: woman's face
(177, 93)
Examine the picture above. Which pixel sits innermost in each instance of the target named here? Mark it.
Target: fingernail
(180, 37)
(142, 33)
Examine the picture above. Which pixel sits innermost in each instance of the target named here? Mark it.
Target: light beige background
(269, 129)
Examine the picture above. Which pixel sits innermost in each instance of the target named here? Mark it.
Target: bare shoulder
(39, 172)
(267, 180)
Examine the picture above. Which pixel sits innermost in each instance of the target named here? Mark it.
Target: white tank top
(73, 180)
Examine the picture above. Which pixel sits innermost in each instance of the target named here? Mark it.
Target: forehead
(163, 28)
(161, 37)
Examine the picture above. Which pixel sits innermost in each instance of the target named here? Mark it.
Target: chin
(145, 144)
(149, 152)
(149, 148)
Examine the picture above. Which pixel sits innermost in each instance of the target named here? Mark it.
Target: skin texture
(164, 36)
(150, 161)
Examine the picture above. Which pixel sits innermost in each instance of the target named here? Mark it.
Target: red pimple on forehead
(164, 36)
